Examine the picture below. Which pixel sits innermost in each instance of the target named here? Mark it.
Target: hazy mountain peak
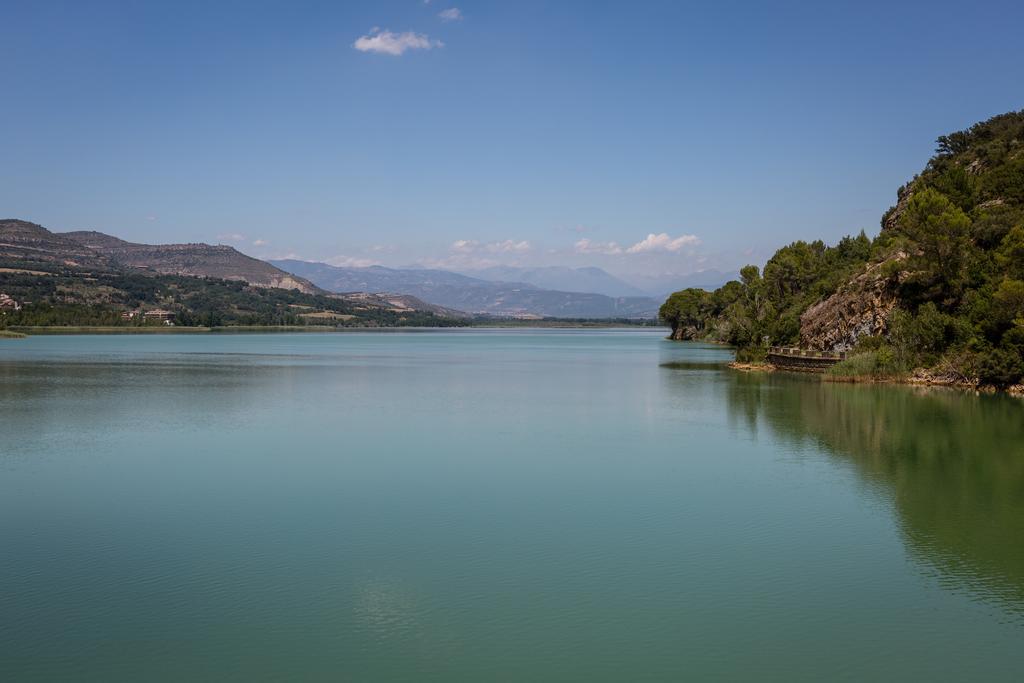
(464, 292)
(588, 279)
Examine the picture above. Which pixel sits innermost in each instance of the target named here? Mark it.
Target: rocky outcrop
(892, 217)
(859, 308)
(685, 333)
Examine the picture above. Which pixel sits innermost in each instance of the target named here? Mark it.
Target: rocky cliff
(859, 308)
(686, 333)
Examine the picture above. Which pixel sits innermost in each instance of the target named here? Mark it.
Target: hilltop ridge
(92, 278)
(196, 259)
(31, 243)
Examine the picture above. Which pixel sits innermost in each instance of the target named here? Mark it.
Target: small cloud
(508, 246)
(231, 237)
(450, 14)
(352, 262)
(587, 246)
(465, 246)
(662, 242)
(151, 218)
(260, 243)
(395, 44)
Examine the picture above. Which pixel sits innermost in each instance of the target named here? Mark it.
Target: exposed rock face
(861, 307)
(685, 333)
(892, 217)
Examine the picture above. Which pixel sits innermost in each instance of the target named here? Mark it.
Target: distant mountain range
(661, 286)
(600, 281)
(504, 291)
(483, 296)
(102, 272)
(561, 278)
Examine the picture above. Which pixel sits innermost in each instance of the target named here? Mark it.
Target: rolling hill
(199, 260)
(90, 278)
(29, 244)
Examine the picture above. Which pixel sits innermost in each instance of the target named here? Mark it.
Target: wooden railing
(803, 360)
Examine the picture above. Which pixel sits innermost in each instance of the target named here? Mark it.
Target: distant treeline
(67, 296)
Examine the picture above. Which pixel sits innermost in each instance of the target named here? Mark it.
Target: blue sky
(649, 138)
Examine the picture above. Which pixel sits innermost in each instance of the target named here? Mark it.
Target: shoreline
(752, 367)
(23, 331)
(919, 378)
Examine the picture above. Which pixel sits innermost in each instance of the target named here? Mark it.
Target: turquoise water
(597, 505)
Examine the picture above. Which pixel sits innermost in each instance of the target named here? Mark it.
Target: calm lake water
(495, 505)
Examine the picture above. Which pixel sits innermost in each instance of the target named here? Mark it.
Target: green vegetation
(64, 296)
(952, 253)
(766, 306)
(65, 299)
(866, 365)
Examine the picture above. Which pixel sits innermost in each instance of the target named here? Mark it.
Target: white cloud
(662, 242)
(586, 246)
(395, 44)
(151, 218)
(465, 246)
(509, 246)
(450, 14)
(231, 237)
(260, 243)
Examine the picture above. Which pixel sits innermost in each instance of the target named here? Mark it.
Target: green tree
(1009, 301)
(939, 232)
(1010, 255)
(1000, 367)
(688, 308)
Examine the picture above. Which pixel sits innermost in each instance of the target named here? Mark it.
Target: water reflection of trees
(953, 464)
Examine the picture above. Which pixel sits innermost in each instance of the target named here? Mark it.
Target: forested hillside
(86, 279)
(69, 297)
(940, 287)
